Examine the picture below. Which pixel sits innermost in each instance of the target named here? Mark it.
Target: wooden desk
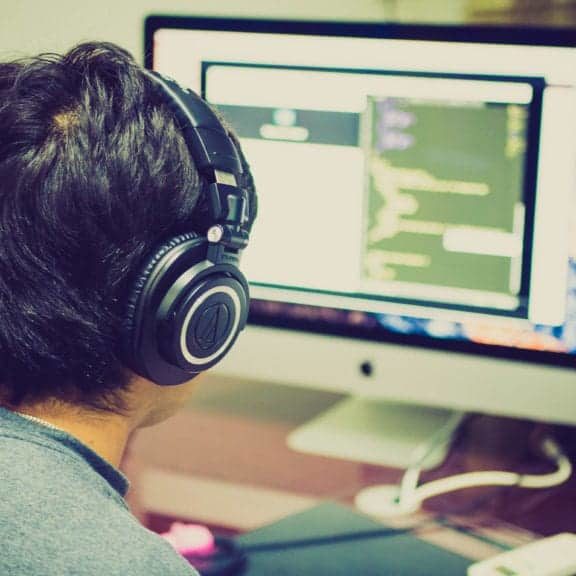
(223, 461)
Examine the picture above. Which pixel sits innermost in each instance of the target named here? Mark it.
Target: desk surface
(223, 461)
(343, 543)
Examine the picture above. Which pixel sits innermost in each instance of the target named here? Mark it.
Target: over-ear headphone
(190, 301)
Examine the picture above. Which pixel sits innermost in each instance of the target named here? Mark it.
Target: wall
(30, 26)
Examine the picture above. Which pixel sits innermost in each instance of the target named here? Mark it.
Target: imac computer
(416, 240)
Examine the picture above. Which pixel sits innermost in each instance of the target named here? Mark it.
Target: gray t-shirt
(62, 510)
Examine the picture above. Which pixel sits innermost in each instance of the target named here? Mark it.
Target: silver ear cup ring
(196, 325)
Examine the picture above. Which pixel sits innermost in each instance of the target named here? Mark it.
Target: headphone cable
(334, 539)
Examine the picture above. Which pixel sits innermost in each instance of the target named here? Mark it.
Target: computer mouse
(210, 555)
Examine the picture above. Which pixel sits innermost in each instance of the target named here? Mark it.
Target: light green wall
(30, 26)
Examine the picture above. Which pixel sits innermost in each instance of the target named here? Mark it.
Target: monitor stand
(373, 432)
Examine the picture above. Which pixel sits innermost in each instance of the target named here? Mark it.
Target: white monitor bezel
(512, 382)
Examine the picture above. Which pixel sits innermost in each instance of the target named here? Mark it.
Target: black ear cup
(198, 328)
(184, 312)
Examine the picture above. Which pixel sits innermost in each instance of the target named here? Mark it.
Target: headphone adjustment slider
(228, 204)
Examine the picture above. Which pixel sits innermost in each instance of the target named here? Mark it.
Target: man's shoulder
(90, 552)
(32, 469)
(58, 517)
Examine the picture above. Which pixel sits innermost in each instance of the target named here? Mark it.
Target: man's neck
(105, 433)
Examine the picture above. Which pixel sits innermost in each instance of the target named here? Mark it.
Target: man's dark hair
(93, 174)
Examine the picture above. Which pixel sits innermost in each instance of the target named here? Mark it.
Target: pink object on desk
(190, 539)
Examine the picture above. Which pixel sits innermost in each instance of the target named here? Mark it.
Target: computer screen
(417, 199)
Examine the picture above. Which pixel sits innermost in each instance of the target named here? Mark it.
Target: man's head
(94, 174)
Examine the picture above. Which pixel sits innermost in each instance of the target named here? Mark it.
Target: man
(95, 174)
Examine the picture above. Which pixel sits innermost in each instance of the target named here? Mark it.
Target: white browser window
(322, 254)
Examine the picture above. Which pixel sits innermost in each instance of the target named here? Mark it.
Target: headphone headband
(217, 160)
(210, 145)
(190, 300)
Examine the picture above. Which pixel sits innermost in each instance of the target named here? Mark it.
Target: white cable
(495, 478)
(441, 437)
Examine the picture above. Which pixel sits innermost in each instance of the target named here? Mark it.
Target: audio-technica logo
(213, 326)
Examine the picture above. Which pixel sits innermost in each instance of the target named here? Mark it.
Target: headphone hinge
(225, 239)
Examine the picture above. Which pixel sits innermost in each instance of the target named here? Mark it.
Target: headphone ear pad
(132, 316)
